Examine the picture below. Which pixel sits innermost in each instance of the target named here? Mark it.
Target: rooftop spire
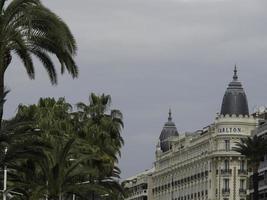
(170, 115)
(235, 77)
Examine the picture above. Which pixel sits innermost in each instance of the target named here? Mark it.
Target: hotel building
(202, 165)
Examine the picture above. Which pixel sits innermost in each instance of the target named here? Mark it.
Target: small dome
(168, 131)
(235, 99)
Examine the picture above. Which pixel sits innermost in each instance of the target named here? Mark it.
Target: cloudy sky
(154, 54)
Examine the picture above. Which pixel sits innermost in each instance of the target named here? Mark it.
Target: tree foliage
(28, 29)
(66, 152)
(253, 148)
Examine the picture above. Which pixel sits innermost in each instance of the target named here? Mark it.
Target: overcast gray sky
(154, 54)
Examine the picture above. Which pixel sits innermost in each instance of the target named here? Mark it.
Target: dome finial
(170, 115)
(235, 77)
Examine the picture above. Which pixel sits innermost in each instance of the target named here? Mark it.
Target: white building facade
(138, 186)
(203, 165)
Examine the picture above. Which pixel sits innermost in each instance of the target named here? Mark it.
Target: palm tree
(102, 127)
(27, 28)
(70, 153)
(64, 174)
(254, 150)
(21, 141)
(54, 175)
(61, 170)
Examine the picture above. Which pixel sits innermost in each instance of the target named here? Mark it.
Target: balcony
(137, 194)
(263, 165)
(242, 172)
(262, 183)
(261, 129)
(242, 191)
(226, 191)
(226, 172)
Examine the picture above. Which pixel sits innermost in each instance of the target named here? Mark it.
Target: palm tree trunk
(255, 185)
(2, 88)
(2, 3)
(5, 60)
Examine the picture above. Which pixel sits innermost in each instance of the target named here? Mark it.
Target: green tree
(16, 143)
(78, 153)
(18, 140)
(28, 28)
(103, 124)
(254, 150)
(49, 175)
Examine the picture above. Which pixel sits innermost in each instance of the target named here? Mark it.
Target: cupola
(235, 99)
(169, 130)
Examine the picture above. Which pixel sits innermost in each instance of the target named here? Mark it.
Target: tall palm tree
(102, 126)
(28, 28)
(254, 150)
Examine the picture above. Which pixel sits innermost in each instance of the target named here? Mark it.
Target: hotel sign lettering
(229, 130)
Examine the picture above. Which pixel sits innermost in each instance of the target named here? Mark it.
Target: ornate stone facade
(202, 165)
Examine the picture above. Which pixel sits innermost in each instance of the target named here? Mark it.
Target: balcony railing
(263, 165)
(262, 183)
(226, 172)
(242, 191)
(242, 172)
(226, 191)
(261, 128)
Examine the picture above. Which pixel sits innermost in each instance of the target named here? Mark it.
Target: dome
(235, 99)
(168, 131)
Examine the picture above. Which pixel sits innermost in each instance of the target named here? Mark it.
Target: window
(227, 145)
(226, 183)
(242, 165)
(226, 164)
(144, 187)
(242, 184)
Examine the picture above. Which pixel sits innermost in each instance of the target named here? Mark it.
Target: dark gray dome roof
(235, 99)
(168, 130)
